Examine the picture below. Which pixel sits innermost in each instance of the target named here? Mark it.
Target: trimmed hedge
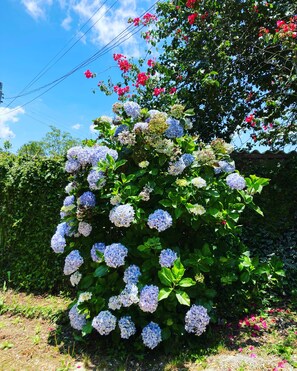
(276, 232)
(32, 192)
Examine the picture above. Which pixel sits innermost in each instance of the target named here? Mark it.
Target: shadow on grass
(111, 353)
(106, 353)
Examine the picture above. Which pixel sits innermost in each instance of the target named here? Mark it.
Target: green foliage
(275, 234)
(30, 198)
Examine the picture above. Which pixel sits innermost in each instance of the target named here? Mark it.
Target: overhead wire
(48, 66)
(115, 42)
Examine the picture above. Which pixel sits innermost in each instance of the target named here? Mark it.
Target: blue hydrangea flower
(93, 179)
(127, 327)
(122, 215)
(131, 274)
(196, 319)
(73, 152)
(148, 300)
(114, 303)
(160, 220)
(132, 109)
(115, 254)
(100, 246)
(104, 323)
(129, 295)
(151, 335)
(77, 320)
(187, 159)
(153, 112)
(120, 129)
(58, 243)
(71, 166)
(69, 200)
(224, 166)
(72, 262)
(64, 229)
(79, 153)
(99, 153)
(175, 130)
(167, 258)
(87, 199)
(177, 167)
(235, 181)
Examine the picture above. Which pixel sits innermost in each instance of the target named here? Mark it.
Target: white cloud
(92, 129)
(66, 23)
(109, 23)
(37, 8)
(76, 126)
(7, 116)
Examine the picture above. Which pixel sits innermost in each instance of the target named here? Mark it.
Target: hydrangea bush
(149, 227)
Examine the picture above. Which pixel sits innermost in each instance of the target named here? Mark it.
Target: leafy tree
(234, 62)
(55, 143)
(32, 148)
(6, 147)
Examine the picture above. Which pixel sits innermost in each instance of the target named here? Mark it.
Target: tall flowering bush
(149, 227)
(233, 61)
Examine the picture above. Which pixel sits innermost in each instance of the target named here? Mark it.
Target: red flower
(279, 24)
(249, 118)
(172, 90)
(124, 65)
(142, 78)
(121, 91)
(116, 57)
(147, 18)
(158, 91)
(191, 3)
(204, 16)
(263, 31)
(136, 21)
(151, 63)
(192, 18)
(88, 74)
(147, 35)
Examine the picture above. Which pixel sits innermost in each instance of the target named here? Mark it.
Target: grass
(36, 335)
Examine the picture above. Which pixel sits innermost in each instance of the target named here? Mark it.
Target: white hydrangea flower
(198, 182)
(84, 296)
(75, 278)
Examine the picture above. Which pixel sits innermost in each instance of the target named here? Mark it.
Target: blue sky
(32, 33)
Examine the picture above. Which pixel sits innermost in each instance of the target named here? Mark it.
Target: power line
(116, 41)
(48, 66)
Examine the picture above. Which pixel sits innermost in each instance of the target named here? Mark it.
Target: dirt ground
(37, 344)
